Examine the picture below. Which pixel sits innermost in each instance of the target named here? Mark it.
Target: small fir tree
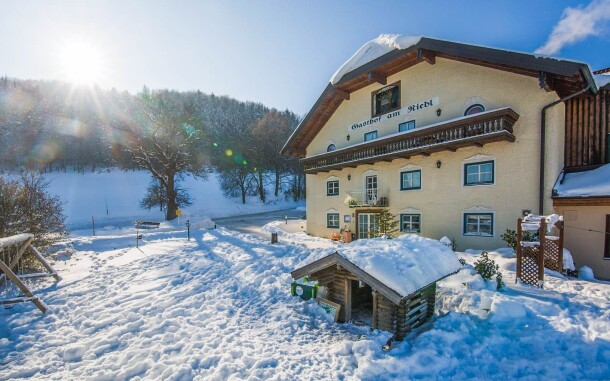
(388, 224)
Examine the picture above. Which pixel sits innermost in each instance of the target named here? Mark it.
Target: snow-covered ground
(218, 307)
(113, 197)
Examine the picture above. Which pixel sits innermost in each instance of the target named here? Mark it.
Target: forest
(48, 126)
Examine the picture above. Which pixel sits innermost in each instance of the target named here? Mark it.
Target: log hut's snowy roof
(404, 265)
(592, 183)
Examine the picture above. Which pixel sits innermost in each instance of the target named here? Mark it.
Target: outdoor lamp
(438, 112)
(438, 164)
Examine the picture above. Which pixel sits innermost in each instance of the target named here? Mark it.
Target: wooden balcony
(473, 130)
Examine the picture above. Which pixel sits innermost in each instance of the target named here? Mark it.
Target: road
(251, 223)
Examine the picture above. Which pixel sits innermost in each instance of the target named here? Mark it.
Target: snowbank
(376, 48)
(405, 264)
(595, 182)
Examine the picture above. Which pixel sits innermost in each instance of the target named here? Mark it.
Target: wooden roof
(562, 76)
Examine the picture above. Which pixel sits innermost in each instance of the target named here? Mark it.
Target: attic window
(386, 99)
(331, 147)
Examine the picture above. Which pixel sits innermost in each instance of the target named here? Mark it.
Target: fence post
(541, 238)
(518, 249)
(559, 225)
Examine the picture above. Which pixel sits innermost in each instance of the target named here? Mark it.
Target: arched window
(331, 147)
(474, 109)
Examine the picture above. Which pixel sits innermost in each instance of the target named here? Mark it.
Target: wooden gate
(534, 256)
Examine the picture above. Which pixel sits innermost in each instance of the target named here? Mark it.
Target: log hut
(396, 299)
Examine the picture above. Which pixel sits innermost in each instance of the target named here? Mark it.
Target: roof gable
(562, 76)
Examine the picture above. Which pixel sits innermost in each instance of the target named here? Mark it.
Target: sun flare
(81, 62)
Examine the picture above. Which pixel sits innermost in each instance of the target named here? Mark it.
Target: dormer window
(474, 109)
(386, 99)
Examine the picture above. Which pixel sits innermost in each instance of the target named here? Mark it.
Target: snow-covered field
(113, 197)
(218, 307)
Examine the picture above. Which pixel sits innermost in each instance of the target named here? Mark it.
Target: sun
(81, 62)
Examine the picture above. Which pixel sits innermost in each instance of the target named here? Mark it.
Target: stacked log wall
(415, 310)
(587, 125)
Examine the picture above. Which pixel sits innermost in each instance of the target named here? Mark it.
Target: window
(386, 99)
(406, 126)
(479, 224)
(479, 173)
(474, 109)
(332, 220)
(332, 188)
(331, 147)
(410, 180)
(410, 223)
(370, 136)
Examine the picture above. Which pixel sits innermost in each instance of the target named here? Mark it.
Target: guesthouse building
(456, 140)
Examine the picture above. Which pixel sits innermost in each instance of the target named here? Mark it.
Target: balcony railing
(368, 197)
(486, 127)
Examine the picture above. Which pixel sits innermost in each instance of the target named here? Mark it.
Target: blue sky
(280, 53)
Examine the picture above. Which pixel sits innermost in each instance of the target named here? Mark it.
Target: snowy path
(213, 308)
(218, 308)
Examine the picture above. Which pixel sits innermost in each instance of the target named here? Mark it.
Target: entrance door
(368, 225)
(371, 190)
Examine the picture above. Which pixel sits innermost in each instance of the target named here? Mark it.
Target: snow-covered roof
(593, 183)
(404, 264)
(373, 49)
(601, 80)
(14, 240)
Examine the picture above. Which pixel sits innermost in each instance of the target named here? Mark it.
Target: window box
(332, 220)
(332, 188)
(410, 223)
(479, 224)
(481, 173)
(410, 180)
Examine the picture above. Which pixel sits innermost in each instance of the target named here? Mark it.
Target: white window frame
(472, 163)
(411, 222)
(478, 233)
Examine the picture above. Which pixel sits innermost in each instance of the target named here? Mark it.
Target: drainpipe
(543, 143)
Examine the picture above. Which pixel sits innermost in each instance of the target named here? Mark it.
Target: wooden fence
(14, 273)
(534, 256)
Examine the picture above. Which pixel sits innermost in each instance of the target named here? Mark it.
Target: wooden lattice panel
(552, 258)
(530, 268)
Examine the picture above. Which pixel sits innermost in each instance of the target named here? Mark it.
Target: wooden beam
(425, 55)
(545, 81)
(44, 262)
(375, 319)
(478, 144)
(13, 278)
(426, 154)
(348, 299)
(377, 77)
(341, 94)
(15, 260)
(452, 149)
